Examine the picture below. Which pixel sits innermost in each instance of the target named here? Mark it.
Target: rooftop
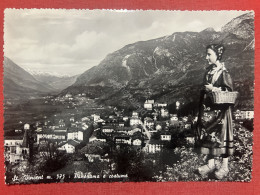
(71, 142)
(149, 102)
(13, 137)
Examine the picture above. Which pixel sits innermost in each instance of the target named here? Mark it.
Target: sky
(70, 42)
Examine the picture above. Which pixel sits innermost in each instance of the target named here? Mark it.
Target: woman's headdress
(218, 49)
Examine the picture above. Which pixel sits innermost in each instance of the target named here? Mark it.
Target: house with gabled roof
(125, 118)
(137, 139)
(133, 131)
(69, 146)
(98, 136)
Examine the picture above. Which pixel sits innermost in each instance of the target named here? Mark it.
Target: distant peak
(210, 29)
(38, 72)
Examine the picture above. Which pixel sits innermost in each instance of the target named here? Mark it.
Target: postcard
(128, 95)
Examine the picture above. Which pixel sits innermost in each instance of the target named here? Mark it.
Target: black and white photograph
(128, 95)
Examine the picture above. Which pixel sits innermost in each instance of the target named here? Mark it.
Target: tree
(249, 124)
(133, 163)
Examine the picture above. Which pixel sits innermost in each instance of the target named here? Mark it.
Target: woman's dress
(214, 126)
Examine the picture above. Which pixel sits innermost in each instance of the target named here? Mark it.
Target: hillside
(171, 67)
(18, 83)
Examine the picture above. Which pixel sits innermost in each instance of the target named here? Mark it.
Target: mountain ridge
(58, 82)
(167, 63)
(18, 83)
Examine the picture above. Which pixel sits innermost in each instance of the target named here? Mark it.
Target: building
(135, 121)
(187, 126)
(74, 125)
(56, 136)
(154, 146)
(174, 121)
(125, 118)
(16, 148)
(68, 95)
(93, 157)
(160, 105)
(123, 130)
(148, 122)
(137, 139)
(135, 114)
(121, 124)
(122, 140)
(60, 129)
(164, 112)
(26, 126)
(38, 123)
(101, 121)
(108, 129)
(62, 124)
(75, 134)
(101, 138)
(70, 146)
(247, 114)
(18, 130)
(185, 119)
(133, 131)
(165, 137)
(174, 117)
(190, 140)
(158, 127)
(95, 117)
(137, 142)
(148, 104)
(237, 115)
(85, 119)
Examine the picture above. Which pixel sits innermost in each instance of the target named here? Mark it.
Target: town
(105, 139)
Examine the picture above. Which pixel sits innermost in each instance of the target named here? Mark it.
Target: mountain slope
(20, 84)
(58, 82)
(171, 67)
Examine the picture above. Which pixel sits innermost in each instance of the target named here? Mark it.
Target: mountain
(55, 80)
(18, 83)
(242, 27)
(39, 72)
(171, 68)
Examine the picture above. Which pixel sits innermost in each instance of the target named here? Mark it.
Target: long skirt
(215, 130)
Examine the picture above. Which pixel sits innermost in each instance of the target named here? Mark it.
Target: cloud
(75, 40)
(195, 25)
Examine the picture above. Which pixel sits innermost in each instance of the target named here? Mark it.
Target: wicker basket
(224, 97)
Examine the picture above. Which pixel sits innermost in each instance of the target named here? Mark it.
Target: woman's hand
(209, 87)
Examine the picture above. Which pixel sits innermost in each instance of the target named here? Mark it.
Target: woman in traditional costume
(214, 129)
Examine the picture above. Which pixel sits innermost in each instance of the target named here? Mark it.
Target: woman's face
(211, 56)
